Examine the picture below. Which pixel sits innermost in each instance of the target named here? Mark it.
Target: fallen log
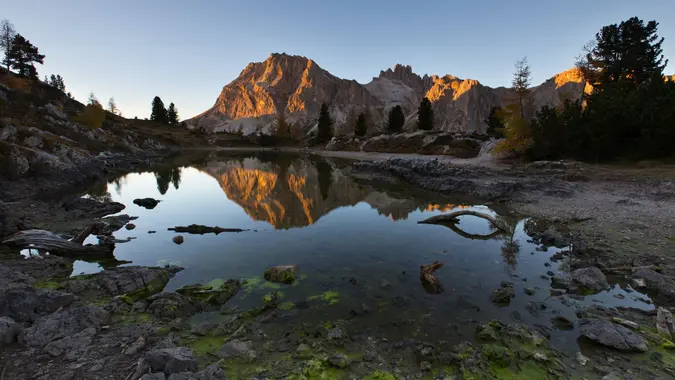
(467, 235)
(430, 282)
(452, 218)
(201, 229)
(55, 244)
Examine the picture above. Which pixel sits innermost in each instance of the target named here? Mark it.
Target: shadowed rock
(612, 335)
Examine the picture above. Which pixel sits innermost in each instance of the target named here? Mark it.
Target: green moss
(380, 375)
(206, 346)
(100, 301)
(216, 292)
(50, 284)
(126, 298)
(286, 306)
(330, 297)
(162, 331)
(499, 355)
(150, 288)
(130, 319)
(525, 370)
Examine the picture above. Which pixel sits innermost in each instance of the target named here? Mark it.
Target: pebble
(130, 226)
(581, 359)
(425, 366)
(178, 239)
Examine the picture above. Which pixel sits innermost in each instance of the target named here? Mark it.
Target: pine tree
(7, 33)
(324, 125)
(159, 113)
(60, 84)
(172, 114)
(521, 84)
(93, 100)
(425, 115)
(396, 120)
(630, 51)
(52, 81)
(22, 56)
(361, 128)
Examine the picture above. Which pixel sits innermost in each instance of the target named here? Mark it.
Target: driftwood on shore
(201, 229)
(452, 219)
(430, 282)
(55, 244)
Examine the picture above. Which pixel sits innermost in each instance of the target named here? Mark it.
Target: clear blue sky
(186, 51)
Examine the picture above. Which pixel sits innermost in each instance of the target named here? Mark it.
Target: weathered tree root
(55, 244)
(430, 282)
(452, 218)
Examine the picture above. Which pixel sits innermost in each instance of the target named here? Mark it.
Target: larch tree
(112, 107)
(7, 33)
(521, 83)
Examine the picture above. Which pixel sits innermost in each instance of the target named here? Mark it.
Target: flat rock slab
(62, 324)
(26, 304)
(125, 280)
(612, 335)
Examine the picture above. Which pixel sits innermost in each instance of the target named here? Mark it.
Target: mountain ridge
(294, 87)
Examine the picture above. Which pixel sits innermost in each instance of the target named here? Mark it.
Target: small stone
(562, 323)
(581, 359)
(550, 273)
(529, 291)
(540, 357)
(130, 226)
(178, 239)
(547, 264)
(384, 284)
(172, 360)
(503, 295)
(237, 348)
(425, 366)
(152, 232)
(135, 347)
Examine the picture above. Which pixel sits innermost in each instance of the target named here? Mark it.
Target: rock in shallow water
(503, 295)
(148, 203)
(612, 335)
(590, 278)
(281, 273)
(178, 239)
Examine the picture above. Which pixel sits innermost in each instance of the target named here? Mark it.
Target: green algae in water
(330, 297)
(380, 375)
(257, 282)
(286, 306)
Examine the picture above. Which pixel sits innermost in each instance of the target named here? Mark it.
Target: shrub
(92, 116)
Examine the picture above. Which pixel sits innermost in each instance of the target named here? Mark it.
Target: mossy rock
(214, 293)
(285, 274)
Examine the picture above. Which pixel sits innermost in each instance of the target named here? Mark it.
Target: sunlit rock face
(296, 87)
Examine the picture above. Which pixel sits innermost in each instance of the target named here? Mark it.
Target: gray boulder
(74, 346)
(662, 286)
(62, 324)
(612, 335)
(26, 304)
(665, 323)
(590, 278)
(172, 360)
(171, 306)
(238, 349)
(8, 331)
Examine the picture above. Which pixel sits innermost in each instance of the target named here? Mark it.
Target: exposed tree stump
(430, 282)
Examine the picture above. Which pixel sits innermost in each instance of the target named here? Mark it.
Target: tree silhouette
(361, 128)
(172, 114)
(324, 125)
(324, 172)
(425, 115)
(396, 120)
(22, 56)
(159, 113)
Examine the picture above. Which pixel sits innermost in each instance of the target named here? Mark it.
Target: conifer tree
(396, 120)
(324, 125)
(7, 33)
(425, 115)
(172, 114)
(159, 113)
(361, 128)
(22, 56)
(521, 84)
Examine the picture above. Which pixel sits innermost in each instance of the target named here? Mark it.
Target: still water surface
(358, 245)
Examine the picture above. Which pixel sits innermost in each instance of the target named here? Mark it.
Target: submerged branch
(430, 282)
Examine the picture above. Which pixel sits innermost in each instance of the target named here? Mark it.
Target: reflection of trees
(325, 174)
(165, 177)
(510, 247)
(100, 192)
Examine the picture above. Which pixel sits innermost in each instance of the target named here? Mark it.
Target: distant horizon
(185, 53)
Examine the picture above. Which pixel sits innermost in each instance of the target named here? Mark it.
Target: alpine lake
(358, 248)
